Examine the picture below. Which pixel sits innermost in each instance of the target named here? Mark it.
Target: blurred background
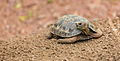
(20, 17)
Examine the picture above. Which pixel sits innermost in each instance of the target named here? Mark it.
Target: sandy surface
(35, 47)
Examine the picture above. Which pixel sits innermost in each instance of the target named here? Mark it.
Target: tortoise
(72, 28)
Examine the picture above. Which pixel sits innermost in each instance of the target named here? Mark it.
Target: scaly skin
(87, 31)
(84, 28)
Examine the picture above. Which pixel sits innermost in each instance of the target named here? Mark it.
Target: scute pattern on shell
(66, 27)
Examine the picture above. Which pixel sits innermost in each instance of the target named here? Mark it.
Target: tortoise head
(82, 25)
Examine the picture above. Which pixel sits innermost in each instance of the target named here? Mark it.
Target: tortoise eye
(80, 23)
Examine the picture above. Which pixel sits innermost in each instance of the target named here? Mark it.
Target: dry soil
(35, 46)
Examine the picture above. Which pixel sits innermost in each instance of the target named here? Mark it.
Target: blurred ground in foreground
(26, 16)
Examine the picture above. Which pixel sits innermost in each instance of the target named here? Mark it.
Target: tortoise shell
(66, 27)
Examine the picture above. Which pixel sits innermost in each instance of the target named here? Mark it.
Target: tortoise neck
(86, 32)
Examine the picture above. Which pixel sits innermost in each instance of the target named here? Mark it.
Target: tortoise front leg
(67, 40)
(98, 34)
(93, 35)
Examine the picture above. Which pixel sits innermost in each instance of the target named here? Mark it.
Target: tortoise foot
(98, 34)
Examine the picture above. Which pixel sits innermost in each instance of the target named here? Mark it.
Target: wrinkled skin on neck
(84, 28)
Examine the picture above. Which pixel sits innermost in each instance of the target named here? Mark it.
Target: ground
(44, 13)
(36, 47)
(25, 39)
